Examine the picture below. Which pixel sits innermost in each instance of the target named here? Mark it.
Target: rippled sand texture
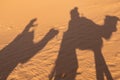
(59, 40)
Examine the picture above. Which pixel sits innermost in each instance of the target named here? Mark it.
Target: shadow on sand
(83, 34)
(21, 49)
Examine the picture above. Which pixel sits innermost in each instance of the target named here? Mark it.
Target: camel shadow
(83, 34)
(22, 49)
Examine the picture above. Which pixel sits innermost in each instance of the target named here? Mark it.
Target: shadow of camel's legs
(58, 77)
(66, 76)
(71, 75)
(101, 66)
(4, 76)
(98, 65)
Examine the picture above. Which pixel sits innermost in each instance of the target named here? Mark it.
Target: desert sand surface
(59, 40)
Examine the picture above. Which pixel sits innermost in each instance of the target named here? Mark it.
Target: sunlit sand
(60, 40)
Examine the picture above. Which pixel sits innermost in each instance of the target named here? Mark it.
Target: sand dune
(60, 40)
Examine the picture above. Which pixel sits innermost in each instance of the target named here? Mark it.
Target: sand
(40, 41)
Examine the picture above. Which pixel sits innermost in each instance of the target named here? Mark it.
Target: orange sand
(28, 56)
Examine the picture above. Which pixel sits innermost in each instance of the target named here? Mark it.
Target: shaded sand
(55, 47)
